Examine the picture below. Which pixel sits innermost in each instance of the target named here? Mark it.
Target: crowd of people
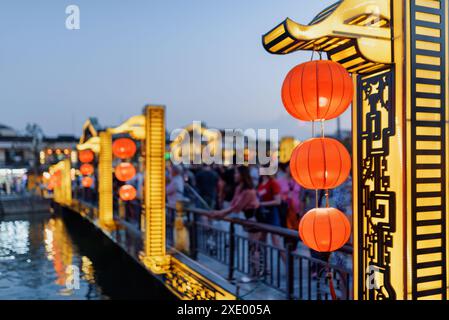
(242, 192)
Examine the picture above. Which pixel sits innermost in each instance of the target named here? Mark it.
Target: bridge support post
(154, 255)
(105, 205)
(63, 189)
(400, 161)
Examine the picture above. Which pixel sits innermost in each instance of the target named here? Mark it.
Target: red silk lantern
(86, 156)
(55, 179)
(125, 171)
(127, 192)
(320, 163)
(317, 90)
(124, 148)
(87, 182)
(325, 230)
(87, 169)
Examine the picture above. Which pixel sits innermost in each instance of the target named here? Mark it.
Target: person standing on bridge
(207, 185)
(245, 200)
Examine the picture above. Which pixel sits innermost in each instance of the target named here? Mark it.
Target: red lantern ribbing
(325, 230)
(124, 148)
(125, 171)
(87, 169)
(87, 182)
(127, 192)
(320, 163)
(86, 156)
(317, 90)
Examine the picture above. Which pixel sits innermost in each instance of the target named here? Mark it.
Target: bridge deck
(215, 265)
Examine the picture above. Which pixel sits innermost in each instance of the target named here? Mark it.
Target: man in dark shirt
(207, 184)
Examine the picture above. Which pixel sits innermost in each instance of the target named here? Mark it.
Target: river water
(50, 257)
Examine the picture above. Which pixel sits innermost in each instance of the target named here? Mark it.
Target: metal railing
(287, 268)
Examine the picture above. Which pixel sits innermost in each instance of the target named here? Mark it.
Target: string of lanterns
(86, 169)
(318, 91)
(125, 148)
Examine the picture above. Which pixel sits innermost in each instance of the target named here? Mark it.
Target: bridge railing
(225, 246)
(289, 268)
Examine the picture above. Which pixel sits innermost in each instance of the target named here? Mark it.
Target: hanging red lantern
(125, 171)
(124, 148)
(317, 90)
(87, 182)
(320, 163)
(87, 169)
(127, 192)
(55, 179)
(325, 230)
(86, 156)
(51, 185)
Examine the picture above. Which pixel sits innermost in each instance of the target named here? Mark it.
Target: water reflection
(40, 261)
(13, 239)
(47, 257)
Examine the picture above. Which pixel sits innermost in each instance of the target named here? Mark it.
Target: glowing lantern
(324, 230)
(124, 148)
(55, 179)
(317, 90)
(87, 169)
(127, 192)
(87, 182)
(125, 171)
(86, 156)
(320, 163)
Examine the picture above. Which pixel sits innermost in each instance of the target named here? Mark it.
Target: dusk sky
(203, 59)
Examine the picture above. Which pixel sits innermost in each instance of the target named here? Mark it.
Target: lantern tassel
(331, 282)
(331, 287)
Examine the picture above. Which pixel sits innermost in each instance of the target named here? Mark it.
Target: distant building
(20, 154)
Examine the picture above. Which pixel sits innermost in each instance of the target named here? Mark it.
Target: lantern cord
(322, 128)
(327, 198)
(316, 199)
(316, 49)
(313, 129)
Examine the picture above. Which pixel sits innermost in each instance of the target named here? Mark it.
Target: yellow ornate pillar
(106, 210)
(154, 255)
(426, 110)
(63, 189)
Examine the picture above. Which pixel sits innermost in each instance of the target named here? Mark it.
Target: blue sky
(201, 58)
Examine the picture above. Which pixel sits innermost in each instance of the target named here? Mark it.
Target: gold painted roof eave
(91, 144)
(135, 126)
(373, 42)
